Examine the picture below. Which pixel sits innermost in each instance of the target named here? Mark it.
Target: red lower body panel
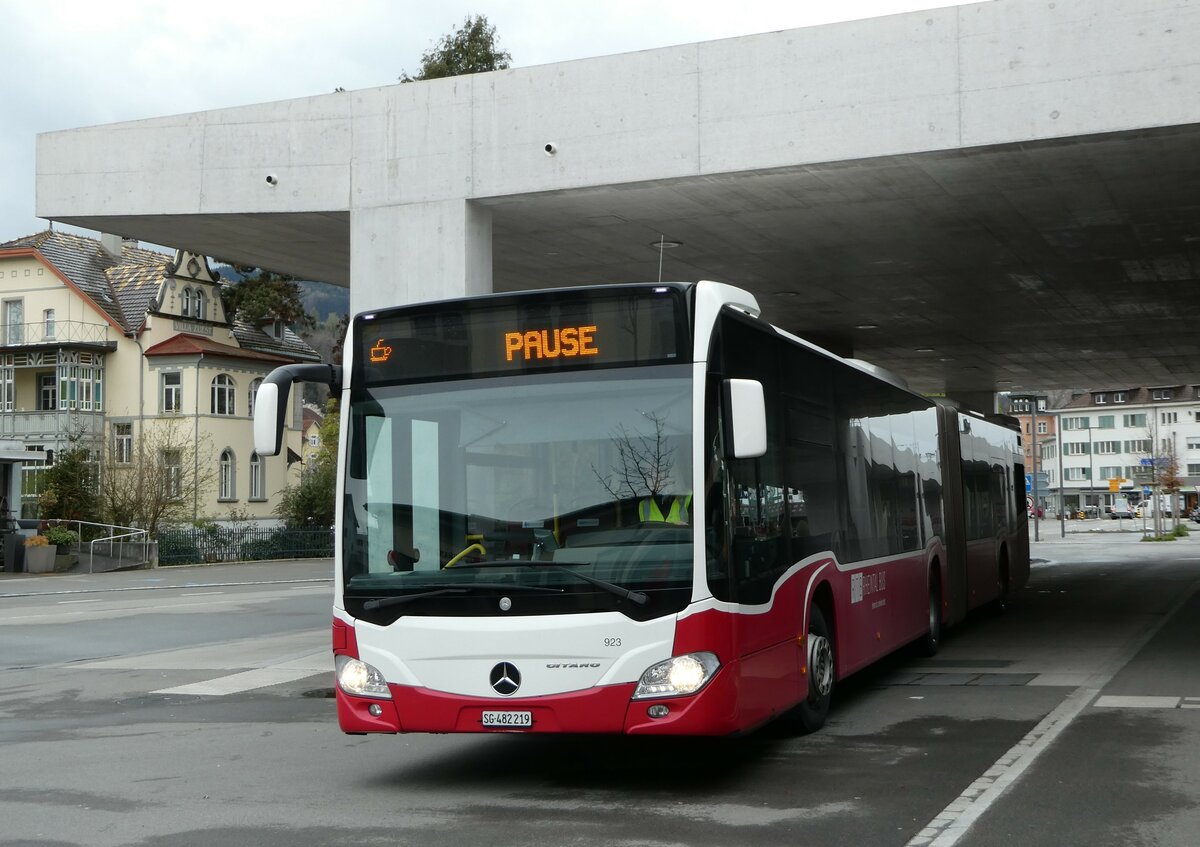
(607, 709)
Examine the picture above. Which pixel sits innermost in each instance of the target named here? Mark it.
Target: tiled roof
(87, 265)
(252, 337)
(1183, 393)
(125, 288)
(185, 344)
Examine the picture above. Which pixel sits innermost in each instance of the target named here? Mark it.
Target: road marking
(1112, 701)
(1190, 703)
(239, 682)
(65, 602)
(953, 822)
(200, 593)
(324, 579)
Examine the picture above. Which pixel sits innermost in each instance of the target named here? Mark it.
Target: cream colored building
(103, 339)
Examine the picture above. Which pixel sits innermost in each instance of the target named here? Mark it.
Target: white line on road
(200, 593)
(952, 823)
(239, 682)
(1112, 701)
(65, 602)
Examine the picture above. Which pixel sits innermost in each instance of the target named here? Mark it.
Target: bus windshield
(520, 495)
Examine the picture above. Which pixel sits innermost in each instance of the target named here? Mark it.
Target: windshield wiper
(638, 597)
(384, 602)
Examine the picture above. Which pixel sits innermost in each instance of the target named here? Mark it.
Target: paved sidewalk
(176, 576)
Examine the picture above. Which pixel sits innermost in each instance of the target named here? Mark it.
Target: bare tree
(644, 463)
(159, 479)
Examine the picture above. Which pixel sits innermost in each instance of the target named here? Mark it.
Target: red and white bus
(639, 509)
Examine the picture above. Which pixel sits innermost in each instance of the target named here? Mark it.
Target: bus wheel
(809, 714)
(932, 641)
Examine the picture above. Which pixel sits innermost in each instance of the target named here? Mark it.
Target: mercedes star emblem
(505, 678)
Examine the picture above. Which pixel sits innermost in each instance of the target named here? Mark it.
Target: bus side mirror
(271, 401)
(745, 419)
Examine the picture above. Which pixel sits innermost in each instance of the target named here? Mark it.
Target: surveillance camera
(551, 149)
(272, 179)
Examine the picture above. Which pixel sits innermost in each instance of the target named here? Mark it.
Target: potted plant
(62, 539)
(39, 554)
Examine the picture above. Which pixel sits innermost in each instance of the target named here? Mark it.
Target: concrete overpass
(993, 196)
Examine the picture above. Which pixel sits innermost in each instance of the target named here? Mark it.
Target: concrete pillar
(419, 252)
(976, 401)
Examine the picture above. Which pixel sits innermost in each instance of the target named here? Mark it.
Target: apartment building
(1108, 436)
(101, 340)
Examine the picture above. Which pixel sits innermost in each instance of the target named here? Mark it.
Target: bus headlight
(359, 678)
(677, 676)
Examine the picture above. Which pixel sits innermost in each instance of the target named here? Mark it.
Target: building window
(123, 443)
(225, 476)
(1042, 428)
(1106, 422)
(1161, 394)
(1139, 445)
(1075, 448)
(257, 477)
(1110, 472)
(1119, 397)
(1193, 443)
(254, 386)
(314, 440)
(1075, 474)
(14, 321)
(185, 302)
(1075, 423)
(1105, 448)
(1135, 420)
(1170, 417)
(1100, 399)
(47, 392)
(48, 324)
(173, 464)
(172, 391)
(200, 309)
(223, 394)
(1193, 470)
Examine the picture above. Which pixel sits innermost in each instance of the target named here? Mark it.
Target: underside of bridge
(1071, 263)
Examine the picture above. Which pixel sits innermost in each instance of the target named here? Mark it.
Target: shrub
(58, 535)
(37, 541)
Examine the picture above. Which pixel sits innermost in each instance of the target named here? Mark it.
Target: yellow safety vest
(648, 510)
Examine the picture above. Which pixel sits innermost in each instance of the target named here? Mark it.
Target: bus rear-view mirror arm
(271, 402)
(745, 418)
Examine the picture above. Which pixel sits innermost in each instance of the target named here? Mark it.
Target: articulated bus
(639, 509)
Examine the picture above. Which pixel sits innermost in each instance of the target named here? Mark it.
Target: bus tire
(809, 714)
(932, 642)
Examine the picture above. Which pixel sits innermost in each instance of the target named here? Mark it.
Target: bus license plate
(508, 719)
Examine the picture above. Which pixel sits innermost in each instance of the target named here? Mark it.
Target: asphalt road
(188, 707)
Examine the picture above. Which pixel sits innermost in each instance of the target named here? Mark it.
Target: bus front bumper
(604, 709)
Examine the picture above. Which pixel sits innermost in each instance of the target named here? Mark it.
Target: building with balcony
(1105, 439)
(101, 340)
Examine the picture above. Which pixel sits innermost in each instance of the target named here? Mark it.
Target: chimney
(112, 244)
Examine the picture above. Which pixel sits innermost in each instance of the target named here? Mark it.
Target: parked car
(1120, 510)
(1195, 514)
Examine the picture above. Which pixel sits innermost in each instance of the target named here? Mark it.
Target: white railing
(51, 422)
(131, 537)
(55, 332)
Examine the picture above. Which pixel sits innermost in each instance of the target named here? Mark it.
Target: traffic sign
(1145, 490)
(1028, 483)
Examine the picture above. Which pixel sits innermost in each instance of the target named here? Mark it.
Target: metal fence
(241, 544)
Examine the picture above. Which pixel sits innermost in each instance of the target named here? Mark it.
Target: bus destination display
(585, 329)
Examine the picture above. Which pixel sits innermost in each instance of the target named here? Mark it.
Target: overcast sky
(74, 63)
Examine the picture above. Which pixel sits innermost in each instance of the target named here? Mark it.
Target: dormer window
(276, 330)
(1100, 399)
(1119, 397)
(185, 302)
(1162, 394)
